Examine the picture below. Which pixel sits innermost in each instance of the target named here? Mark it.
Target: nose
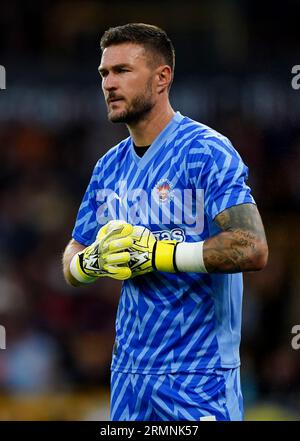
(109, 82)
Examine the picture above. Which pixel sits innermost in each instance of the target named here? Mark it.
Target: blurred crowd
(59, 338)
(52, 330)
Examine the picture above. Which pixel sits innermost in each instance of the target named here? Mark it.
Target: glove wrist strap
(77, 271)
(164, 256)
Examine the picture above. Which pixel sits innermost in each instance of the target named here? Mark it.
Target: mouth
(113, 100)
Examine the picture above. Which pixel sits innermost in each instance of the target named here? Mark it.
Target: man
(188, 227)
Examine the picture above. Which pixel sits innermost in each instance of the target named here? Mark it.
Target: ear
(164, 78)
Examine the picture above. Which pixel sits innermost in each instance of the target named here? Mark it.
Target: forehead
(125, 53)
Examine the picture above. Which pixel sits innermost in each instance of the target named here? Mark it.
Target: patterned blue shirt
(183, 322)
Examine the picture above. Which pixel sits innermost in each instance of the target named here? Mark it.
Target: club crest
(163, 191)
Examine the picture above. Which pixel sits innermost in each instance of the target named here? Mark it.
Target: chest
(155, 193)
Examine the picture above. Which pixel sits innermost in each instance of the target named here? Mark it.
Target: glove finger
(118, 272)
(115, 229)
(116, 245)
(119, 232)
(115, 235)
(108, 227)
(117, 258)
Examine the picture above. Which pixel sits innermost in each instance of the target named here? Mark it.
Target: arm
(241, 246)
(72, 248)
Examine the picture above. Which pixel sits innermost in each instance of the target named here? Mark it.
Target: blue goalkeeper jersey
(165, 322)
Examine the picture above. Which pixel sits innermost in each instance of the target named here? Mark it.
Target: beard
(136, 111)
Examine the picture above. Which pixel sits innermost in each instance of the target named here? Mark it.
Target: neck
(145, 131)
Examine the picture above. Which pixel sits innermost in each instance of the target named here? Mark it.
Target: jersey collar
(158, 142)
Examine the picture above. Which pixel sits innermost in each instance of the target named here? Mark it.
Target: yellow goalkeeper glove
(107, 256)
(148, 254)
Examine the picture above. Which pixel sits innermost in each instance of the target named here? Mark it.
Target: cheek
(140, 83)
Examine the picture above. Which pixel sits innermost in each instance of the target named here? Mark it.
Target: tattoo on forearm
(236, 248)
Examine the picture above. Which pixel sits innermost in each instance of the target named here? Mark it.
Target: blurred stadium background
(233, 72)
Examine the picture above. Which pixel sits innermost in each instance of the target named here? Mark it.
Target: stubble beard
(139, 107)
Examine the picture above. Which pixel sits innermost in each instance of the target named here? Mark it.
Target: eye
(103, 73)
(122, 70)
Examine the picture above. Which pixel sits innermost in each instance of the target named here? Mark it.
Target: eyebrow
(115, 67)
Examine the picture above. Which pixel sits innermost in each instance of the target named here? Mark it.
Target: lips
(113, 100)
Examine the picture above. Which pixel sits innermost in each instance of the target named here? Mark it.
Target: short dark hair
(151, 37)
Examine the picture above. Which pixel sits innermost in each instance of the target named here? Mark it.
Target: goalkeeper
(178, 325)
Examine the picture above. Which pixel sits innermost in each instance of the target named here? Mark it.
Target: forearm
(72, 248)
(240, 246)
(234, 251)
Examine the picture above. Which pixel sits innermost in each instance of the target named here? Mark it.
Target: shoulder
(208, 141)
(116, 152)
(110, 160)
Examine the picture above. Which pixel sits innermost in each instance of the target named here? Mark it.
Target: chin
(117, 116)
